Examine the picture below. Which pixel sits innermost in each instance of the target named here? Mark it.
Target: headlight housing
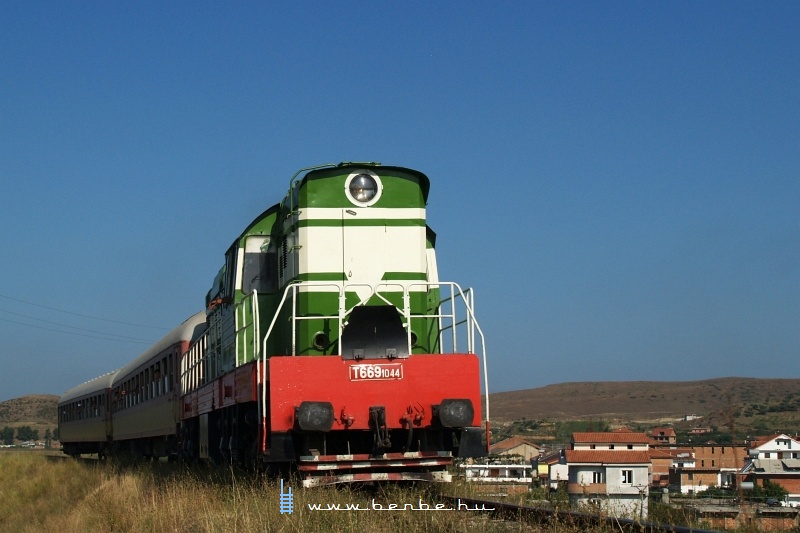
(363, 188)
(314, 416)
(455, 413)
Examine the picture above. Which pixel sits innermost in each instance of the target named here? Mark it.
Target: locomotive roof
(424, 182)
(190, 330)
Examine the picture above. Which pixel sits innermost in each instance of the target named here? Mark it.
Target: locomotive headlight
(314, 416)
(455, 413)
(363, 188)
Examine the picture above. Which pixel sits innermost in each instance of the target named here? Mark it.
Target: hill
(754, 406)
(758, 405)
(38, 411)
(646, 399)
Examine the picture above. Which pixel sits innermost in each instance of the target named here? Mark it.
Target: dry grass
(68, 496)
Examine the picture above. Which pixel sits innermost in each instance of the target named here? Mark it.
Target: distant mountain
(35, 410)
(654, 401)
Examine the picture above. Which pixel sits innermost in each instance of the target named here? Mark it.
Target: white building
(499, 473)
(776, 458)
(610, 471)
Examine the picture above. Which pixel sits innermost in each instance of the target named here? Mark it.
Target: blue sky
(618, 181)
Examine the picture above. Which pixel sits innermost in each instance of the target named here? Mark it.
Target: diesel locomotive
(328, 343)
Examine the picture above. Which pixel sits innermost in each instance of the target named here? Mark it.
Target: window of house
(630, 446)
(627, 477)
(691, 476)
(766, 455)
(597, 477)
(702, 463)
(610, 446)
(712, 462)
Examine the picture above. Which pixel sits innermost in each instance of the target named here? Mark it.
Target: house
(727, 458)
(662, 459)
(498, 473)
(663, 435)
(700, 466)
(691, 479)
(775, 458)
(500, 478)
(552, 469)
(609, 471)
(516, 446)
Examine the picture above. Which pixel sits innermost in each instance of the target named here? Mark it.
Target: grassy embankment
(69, 496)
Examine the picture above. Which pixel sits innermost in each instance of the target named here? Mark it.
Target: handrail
(453, 312)
(450, 317)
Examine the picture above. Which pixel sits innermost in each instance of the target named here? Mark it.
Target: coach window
(162, 382)
(171, 378)
(163, 374)
(260, 265)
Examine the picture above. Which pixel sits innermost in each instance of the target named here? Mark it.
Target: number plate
(376, 372)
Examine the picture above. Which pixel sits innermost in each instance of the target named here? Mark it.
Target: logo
(286, 500)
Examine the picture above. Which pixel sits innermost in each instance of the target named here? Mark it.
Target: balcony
(586, 488)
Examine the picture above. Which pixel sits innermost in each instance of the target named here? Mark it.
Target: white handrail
(450, 316)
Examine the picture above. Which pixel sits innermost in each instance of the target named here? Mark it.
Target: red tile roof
(668, 453)
(663, 432)
(611, 438)
(509, 443)
(608, 456)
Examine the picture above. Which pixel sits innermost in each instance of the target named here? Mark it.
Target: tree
(25, 433)
(7, 434)
(47, 438)
(760, 493)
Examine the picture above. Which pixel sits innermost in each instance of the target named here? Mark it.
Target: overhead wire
(109, 336)
(82, 315)
(121, 339)
(75, 330)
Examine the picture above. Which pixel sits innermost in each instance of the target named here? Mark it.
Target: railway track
(510, 511)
